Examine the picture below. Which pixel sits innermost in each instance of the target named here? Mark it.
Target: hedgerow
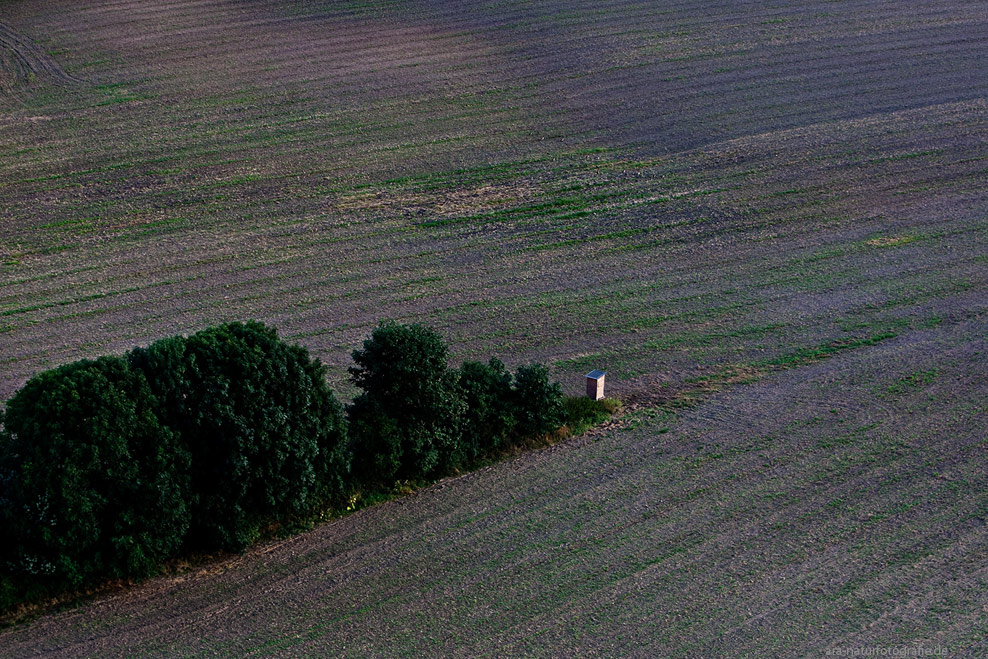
(418, 419)
(198, 443)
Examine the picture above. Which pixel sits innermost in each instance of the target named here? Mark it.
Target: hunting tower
(595, 384)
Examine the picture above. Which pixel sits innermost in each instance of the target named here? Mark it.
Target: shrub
(537, 402)
(580, 412)
(266, 435)
(489, 416)
(406, 423)
(91, 484)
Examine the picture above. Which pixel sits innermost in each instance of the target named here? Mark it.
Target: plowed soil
(689, 195)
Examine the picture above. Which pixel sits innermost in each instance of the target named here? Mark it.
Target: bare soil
(688, 195)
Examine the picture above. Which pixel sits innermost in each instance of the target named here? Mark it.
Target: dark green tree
(266, 435)
(92, 486)
(538, 403)
(488, 419)
(406, 424)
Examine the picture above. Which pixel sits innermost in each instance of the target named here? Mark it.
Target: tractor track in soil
(22, 61)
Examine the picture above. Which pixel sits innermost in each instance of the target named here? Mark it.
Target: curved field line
(25, 58)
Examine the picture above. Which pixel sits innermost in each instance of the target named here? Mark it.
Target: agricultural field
(824, 506)
(767, 222)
